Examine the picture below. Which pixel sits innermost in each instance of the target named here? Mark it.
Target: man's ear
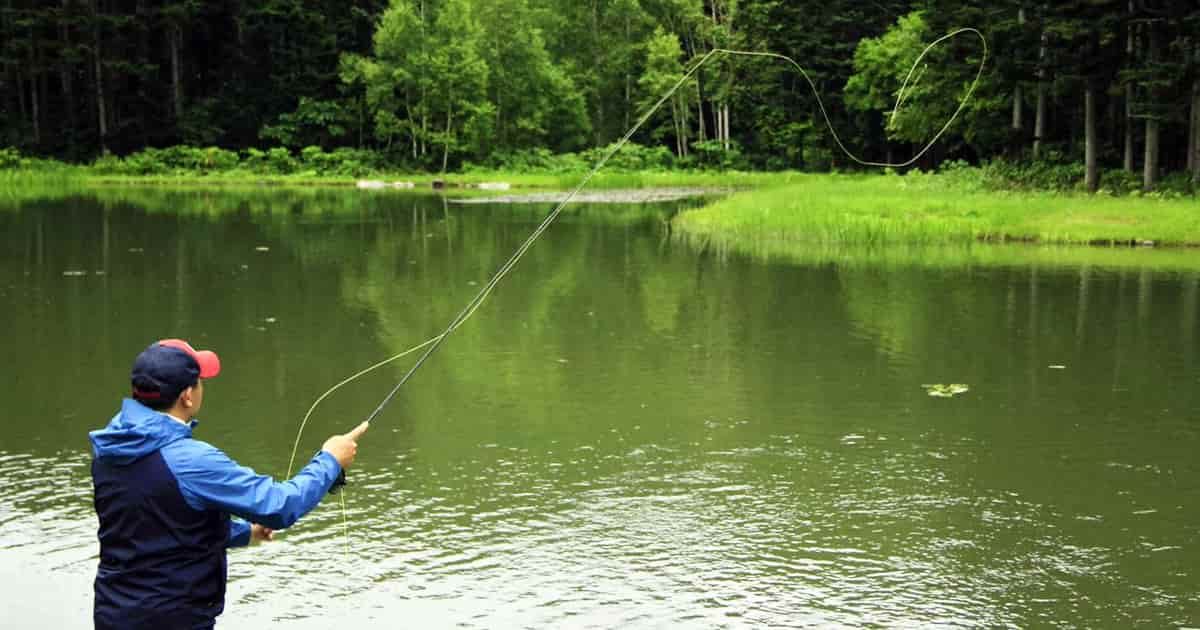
(186, 396)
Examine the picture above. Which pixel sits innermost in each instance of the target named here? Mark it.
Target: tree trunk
(34, 92)
(20, 84)
(64, 70)
(1017, 121)
(175, 36)
(1129, 95)
(1194, 154)
(597, 58)
(423, 105)
(1039, 125)
(702, 134)
(1092, 179)
(1129, 125)
(446, 144)
(1150, 165)
(629, 79)
(412, 123)
(684, 128)
(1018, 105)
(1150, 168)
(728, 135)
(675, 125)
(101, 114)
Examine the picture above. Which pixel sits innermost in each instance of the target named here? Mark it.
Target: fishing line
(432, 344)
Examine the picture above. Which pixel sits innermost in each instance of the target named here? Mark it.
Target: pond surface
(632, 432)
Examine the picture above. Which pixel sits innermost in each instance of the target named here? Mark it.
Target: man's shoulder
(190, 444)
(190, 453)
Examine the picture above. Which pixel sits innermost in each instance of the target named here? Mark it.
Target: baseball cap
(166, 368)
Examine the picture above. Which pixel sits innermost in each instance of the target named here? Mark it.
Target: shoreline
(787, 209)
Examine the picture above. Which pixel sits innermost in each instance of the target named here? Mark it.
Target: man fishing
(164, 499)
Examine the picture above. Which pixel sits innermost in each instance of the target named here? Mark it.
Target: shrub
(631, 157)
(280, 161)
(10, 158)
(1040, 175)
(712, 155)
(1119, 182)
(108, 164)
(1176, 184)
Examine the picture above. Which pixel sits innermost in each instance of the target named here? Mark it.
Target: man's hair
(161, 404)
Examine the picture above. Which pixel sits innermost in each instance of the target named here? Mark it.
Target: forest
(1080, 85)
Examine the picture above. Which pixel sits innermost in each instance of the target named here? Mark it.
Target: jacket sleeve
(239, 533)
(209, 479)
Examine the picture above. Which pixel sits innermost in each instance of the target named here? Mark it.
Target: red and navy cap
(162, 371)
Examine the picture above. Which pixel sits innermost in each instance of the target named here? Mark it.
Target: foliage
(321, 122)
(436, 84)
(1033, 175)
(10, 158)
(711, 155)
(185, 160)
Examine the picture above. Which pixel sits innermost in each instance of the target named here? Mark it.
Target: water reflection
(631, 432)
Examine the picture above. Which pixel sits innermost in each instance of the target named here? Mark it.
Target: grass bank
(923, 210)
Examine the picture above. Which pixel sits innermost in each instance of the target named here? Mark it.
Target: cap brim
(210, 365)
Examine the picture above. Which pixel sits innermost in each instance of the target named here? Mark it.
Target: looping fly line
(431, 345)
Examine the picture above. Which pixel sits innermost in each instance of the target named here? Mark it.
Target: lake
(633, 431)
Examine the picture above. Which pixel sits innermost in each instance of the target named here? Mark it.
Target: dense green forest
(434, 84)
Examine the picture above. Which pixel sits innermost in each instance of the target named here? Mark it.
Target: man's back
(162, 562)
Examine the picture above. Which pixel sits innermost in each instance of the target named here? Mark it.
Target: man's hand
(259, 533)
(345, 447)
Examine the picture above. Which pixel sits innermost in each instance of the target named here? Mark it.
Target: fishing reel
(339, 482)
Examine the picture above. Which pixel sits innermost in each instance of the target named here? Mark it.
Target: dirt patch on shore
(637, 195)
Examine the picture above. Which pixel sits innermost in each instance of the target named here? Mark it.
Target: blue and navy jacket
(164, 502)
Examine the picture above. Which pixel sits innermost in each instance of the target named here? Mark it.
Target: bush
(1040, 175)
(1119, 182)
(280, 161)
(712, 155)
(1176, 184)
(344, 161)
(10, 158)
(960, 175)
(816, 157)
(631, 157)
(539, 160)
(108, 164)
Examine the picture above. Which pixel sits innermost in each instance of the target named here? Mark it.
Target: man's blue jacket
(164, 501)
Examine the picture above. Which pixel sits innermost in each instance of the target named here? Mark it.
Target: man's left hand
(258, 533)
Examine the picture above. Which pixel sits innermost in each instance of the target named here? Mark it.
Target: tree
(460, 97)
(535, 101)
(663, 72)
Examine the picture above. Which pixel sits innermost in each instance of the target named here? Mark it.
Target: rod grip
(339, 482)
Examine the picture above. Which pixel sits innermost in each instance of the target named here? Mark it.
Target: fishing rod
(431, 345)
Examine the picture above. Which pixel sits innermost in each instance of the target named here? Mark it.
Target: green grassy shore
(931, 210)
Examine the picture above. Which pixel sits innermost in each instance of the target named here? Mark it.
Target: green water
(633, 432)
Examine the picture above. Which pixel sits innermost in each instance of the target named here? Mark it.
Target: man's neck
(176, 415)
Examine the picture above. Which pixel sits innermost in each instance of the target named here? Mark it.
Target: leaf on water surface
(939, 390)
(262, 248)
